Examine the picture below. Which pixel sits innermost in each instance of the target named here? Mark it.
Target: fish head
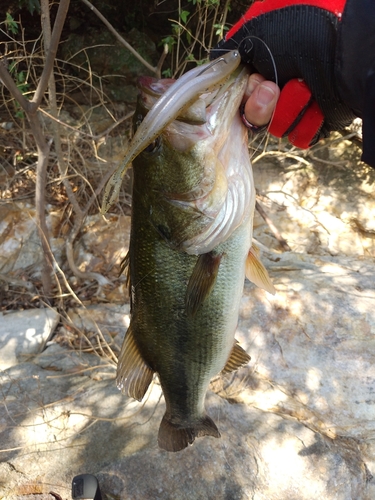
(197, 170)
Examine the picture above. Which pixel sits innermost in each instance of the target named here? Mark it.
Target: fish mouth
(209, 117)
(205, 106)
(171, 104)
(151, 89)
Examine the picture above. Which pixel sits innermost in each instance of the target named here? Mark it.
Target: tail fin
(175, 438)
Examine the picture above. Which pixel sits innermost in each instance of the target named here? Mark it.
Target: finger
(263, 96)
(254, 80)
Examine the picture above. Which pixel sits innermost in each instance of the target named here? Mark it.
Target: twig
(161, 61)
(85, 134)
(43, 147)
(120, 38)
(275, 232)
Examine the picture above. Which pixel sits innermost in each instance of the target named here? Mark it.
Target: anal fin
(257, 273)
(202, 281)
(133, 374)
(237, 358)
(175, 438)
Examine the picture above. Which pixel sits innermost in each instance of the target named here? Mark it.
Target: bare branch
(12, 87)
(51, 54)
(120, 38)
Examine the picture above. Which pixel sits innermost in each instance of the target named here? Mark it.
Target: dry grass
(81, 96)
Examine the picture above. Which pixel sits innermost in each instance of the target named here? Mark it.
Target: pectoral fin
(257, 273)
(202, 281)
(238, 357)
(133, 374)
(124, 265)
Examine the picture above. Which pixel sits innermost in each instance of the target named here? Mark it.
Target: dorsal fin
(237, 358)
(257, 273)
(202, 280)
(133, 374)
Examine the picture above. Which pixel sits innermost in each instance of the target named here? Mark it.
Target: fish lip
(221, 105)
(154, 86)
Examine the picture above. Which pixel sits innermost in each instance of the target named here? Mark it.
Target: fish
(193, 200)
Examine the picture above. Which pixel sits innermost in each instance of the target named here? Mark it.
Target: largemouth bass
(192, 209)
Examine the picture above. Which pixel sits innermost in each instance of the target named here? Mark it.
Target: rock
(318, 208)
(74, 425)
(24, 333)
(314, 342)
(20, 248)
(296, 423)
(104, 243)
(102, 247)
(18, 237)
(259, 456)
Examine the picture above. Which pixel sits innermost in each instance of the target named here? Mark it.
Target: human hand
(321, 54)
(259, 102)
(294, 44)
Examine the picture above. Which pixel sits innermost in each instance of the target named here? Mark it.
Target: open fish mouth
(215, 107)
(170, 105)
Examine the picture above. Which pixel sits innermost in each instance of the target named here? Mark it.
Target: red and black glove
(322, 55)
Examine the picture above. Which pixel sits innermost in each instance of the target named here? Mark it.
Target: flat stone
(25, 333)
(58, 425)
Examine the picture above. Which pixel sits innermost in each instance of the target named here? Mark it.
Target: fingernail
(265, 95)
(252, 84)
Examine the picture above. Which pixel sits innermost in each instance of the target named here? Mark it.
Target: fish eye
(154, 146)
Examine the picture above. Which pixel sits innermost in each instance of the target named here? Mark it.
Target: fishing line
(250, 37)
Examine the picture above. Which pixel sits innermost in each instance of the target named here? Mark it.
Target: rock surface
(25, 333)
(296, 424)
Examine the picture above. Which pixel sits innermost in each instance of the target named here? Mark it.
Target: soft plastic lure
(180, 95)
